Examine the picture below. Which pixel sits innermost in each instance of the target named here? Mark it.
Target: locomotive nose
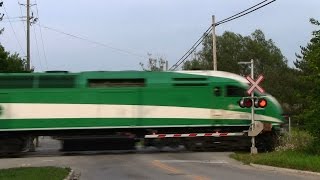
(274, 108)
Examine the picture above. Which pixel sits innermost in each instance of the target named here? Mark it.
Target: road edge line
(71, 175)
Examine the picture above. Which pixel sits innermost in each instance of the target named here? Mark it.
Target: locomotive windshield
(235, 91)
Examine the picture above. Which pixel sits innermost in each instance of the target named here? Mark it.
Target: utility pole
(214, 48)
(28, 35)
(167, 65)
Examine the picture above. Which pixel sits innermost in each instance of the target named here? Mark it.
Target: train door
(119, 107)
(217, 103)
(4, 110)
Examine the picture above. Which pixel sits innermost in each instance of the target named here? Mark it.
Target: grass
(296, 151)
(34, 173)
(286, 159)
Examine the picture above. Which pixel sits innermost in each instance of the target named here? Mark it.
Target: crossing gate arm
(194, 135)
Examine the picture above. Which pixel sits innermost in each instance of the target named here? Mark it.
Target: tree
(269, 61)
(308, 65)
(232, 48)
(155, 64)
(11, 62)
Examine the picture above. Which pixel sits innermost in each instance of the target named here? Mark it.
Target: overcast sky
(164, 28)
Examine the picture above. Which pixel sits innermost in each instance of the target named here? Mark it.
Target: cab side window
(217, 91)
(235, 91)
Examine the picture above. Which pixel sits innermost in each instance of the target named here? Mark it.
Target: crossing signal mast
(253, 102)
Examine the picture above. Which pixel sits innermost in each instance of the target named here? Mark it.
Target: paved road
(148, 164)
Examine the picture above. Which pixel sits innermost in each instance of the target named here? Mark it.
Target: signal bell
(257, 102)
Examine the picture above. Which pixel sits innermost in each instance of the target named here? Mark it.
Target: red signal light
(245, 103)
(260, 103)
(257, 102)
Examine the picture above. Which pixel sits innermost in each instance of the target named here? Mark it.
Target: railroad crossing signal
(248, 102)
(255, 127)
(255, 84)
(260, 103)
(245, 103)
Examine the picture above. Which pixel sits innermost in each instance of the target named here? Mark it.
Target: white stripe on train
(56, 111)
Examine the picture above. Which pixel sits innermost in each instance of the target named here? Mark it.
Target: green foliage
(34, 173)
(11, 62)
(280, 80)
(155, 64)
(308, 64)
(298, 141)
(285, 159)
(233, 48)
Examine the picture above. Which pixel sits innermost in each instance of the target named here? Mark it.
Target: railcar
(192, 108)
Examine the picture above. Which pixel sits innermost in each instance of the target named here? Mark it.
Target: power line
(95, 42)
(233, 17)
(192, 48)
(175, 66)
(44, 52)
(12, 21)
(24, 29)
(224, 21)
(238, 15)
(13, 30)
(13, 18)
(242, 11)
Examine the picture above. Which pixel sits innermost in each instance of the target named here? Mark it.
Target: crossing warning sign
(255, 84)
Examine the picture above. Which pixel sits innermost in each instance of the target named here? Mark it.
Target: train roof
(136, 74)
(221, 74)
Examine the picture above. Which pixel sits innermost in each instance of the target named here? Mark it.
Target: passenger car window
(105, 83)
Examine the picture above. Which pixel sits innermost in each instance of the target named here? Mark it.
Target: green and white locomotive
(180, 107)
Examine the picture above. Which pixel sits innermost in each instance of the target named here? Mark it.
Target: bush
(298, 140)
(313, 147)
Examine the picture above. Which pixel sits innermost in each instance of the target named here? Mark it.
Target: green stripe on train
(112, 123)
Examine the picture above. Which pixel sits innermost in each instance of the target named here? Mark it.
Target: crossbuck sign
(255, 84)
